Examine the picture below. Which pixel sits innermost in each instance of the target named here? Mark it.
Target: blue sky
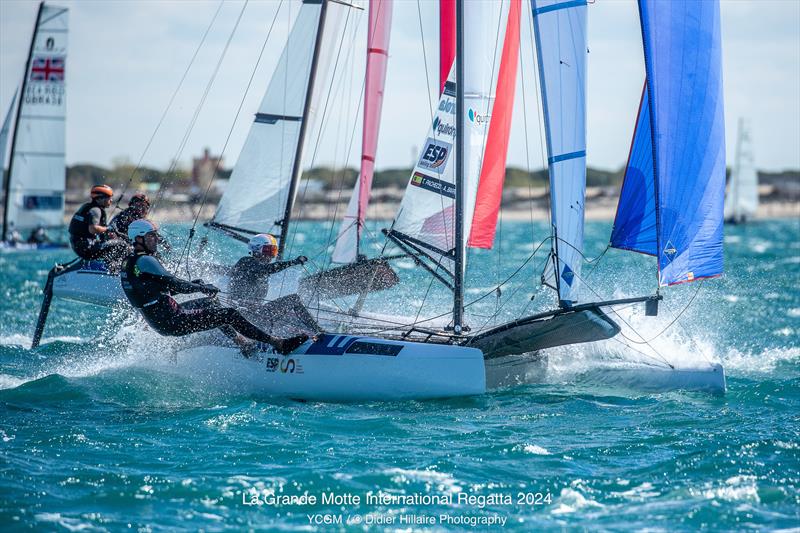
(126, 58)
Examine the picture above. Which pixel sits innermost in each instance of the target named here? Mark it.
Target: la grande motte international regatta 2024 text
(269, 498)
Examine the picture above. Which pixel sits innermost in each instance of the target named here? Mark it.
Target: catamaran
(670, 207)
(34, 184)
(741, 200)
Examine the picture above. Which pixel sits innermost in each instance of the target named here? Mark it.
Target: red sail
(493, 170)
(447, 39)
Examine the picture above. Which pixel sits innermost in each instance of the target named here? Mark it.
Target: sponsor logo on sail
(435, 155)
(477, 118)
(433, 184)
(447, 106)
(443, 128)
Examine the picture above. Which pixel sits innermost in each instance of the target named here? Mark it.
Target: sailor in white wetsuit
(149, 288)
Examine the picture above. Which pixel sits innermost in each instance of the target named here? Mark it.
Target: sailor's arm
(94, 226)
(274, 268)
(150, 267)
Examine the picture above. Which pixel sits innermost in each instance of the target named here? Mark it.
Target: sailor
(89, 235)
(149, 288)
(249, 277)
(39, 236)
(14, 236)
(138, 207)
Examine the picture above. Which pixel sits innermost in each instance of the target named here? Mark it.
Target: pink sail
(380, 23)
(493, 170)
(447, 39)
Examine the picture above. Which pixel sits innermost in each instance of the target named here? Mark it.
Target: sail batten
(671, 204)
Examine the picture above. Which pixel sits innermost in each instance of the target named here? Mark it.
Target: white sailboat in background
(36, 178)
(741, 200)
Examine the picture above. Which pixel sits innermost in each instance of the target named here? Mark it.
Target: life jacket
(79, 225)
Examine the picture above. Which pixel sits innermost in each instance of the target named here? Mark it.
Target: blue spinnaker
(683, 100)
(635, 223)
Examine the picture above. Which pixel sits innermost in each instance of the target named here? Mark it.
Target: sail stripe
(493, 171)
(269, 118)
(566, 157)
(557, 7)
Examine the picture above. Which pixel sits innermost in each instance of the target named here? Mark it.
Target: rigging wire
(166, 109)
(188, 243)
(199, 107)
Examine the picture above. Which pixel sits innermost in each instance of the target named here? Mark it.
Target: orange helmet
(263, 244)
(101, 190)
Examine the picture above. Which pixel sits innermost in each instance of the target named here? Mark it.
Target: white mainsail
(37, 175)
(560, 29)
(259, 189)
(426, 217)
(4, 134)
(741, 202)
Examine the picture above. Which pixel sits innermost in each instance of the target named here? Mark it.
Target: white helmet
(140, 228)
(263, 244)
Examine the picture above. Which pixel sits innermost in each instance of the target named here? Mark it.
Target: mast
(7, 180)
(458, 274)
(298, 156)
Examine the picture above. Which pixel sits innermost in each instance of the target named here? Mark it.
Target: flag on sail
(378, 32)
(672, 206)
(560, 30)
(493, 171)
(37, 172)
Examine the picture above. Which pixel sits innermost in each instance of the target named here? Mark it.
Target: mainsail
(426, 218)
(560, 29)
(36, 174)
(380, 23)
(261, 190)
(447, 40)
(671, 204)
(4, 134)
(741, 202)
(493, 172)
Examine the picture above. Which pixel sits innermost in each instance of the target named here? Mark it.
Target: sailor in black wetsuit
(89, 235)
(250, 275)
(138, 207)
(149, 287)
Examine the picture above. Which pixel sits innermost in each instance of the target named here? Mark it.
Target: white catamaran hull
(342, 368)
(90, 283)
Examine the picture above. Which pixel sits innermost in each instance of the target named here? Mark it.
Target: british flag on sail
(48, 69)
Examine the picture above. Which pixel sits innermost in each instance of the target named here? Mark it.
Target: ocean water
(92, 437)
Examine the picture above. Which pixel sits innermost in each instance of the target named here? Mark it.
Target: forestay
(380, 23)
(560, 29)
(673, 208)
(37, 169)
(426, 218)
(258, 192)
